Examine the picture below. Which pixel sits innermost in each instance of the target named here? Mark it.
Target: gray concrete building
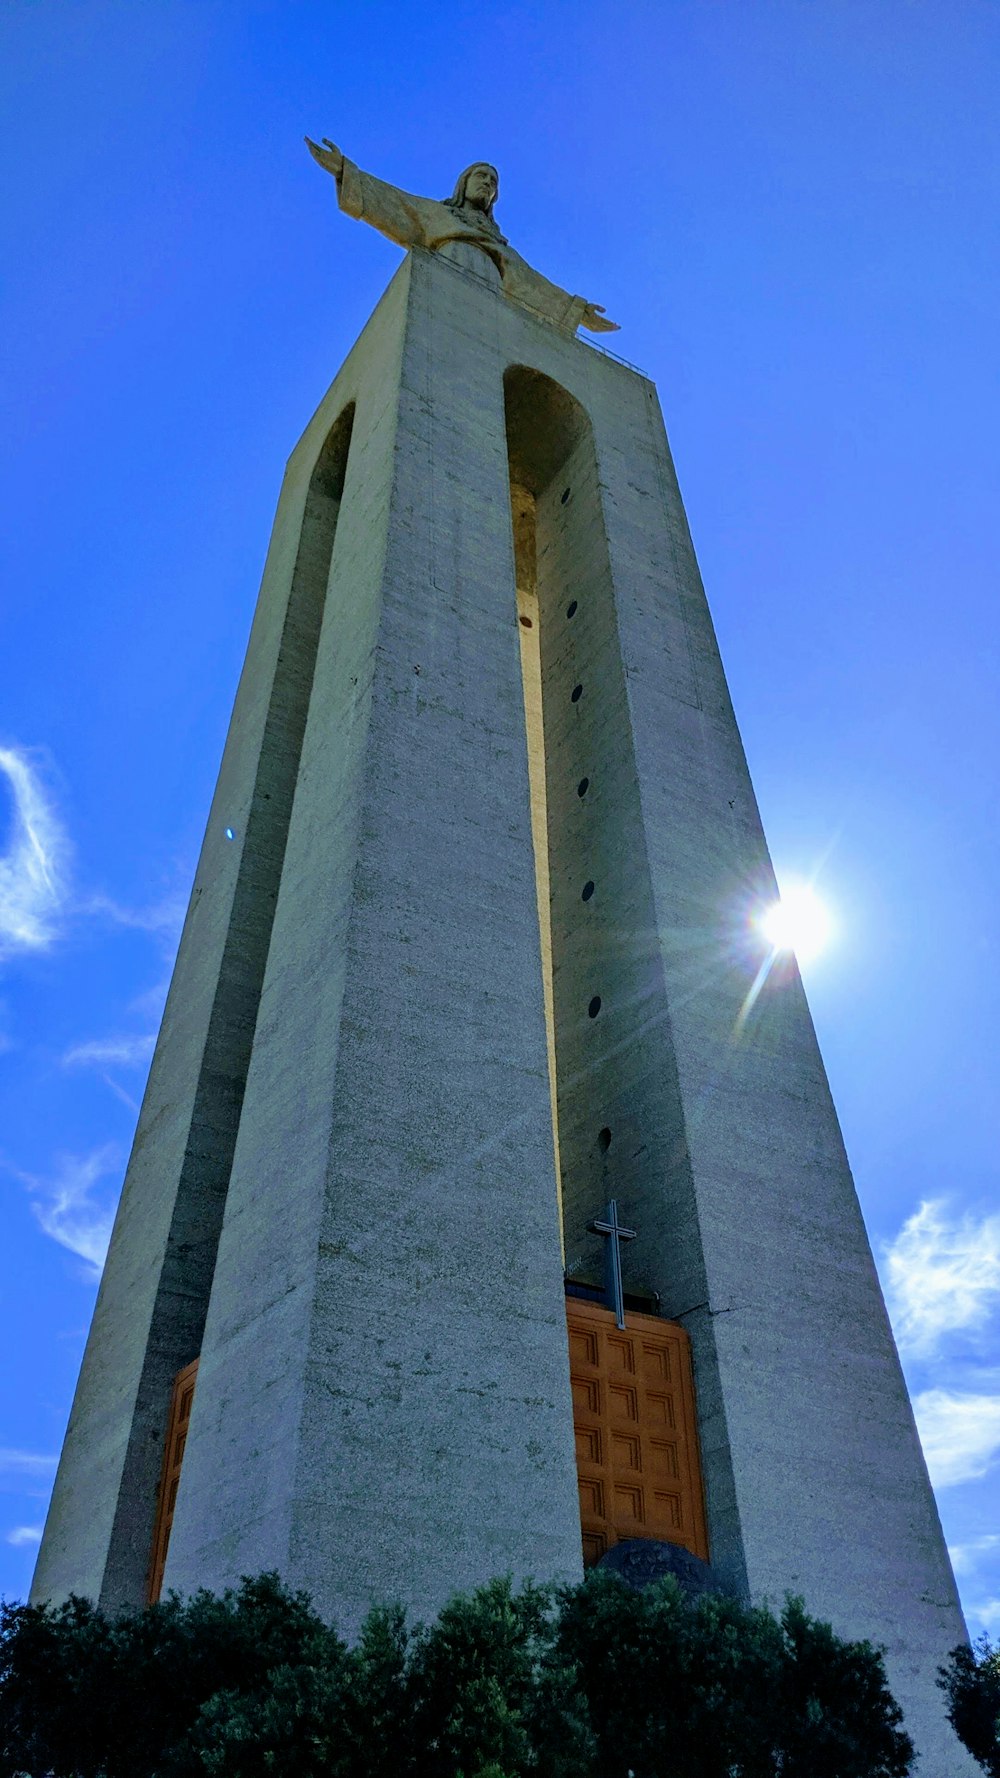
(467, 968)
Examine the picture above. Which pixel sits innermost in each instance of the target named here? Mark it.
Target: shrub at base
(594, 1681)
(971, 1683)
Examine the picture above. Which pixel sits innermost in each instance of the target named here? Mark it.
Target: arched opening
(545, 425)
(605, 1015)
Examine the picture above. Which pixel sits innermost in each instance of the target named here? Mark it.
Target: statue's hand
(329, 156)
(596, 320)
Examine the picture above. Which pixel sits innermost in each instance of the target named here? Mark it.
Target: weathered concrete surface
(726, 1154)
(383, 1404)
(154, 1294)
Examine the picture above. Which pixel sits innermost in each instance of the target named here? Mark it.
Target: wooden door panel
(636, 1431)
(181, 1402)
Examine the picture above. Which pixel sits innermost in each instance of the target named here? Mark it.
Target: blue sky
(792, 208)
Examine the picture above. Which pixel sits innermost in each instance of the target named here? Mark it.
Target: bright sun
(798, 922)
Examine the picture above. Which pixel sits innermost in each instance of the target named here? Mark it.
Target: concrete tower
(459, 967)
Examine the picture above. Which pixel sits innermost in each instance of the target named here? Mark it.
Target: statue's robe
(463, 234)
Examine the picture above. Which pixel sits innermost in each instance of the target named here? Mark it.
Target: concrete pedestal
(342, 1193)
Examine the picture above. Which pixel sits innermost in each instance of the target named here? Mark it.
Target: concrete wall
(726, 1153)
(154, 1294)
(383, 1403)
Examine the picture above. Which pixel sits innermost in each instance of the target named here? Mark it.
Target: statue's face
(481, 187)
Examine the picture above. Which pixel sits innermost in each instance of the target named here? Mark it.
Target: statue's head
(479, 186)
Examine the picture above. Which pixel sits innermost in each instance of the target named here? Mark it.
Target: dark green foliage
(489, 1690)
(85, 1695)
(588, 1682)
(971, 1683)
(718, 1690)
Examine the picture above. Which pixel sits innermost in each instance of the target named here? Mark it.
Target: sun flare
(797, 922)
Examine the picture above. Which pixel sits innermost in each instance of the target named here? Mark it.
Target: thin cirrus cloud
(107, 1052)
(129, 1051)
(30, 1463)
(965, 1557)
(163, 918)
(23, 1535)
(942, 1276)
(960, 1434)
(35, 897)
(76, 1204)
(34, 866)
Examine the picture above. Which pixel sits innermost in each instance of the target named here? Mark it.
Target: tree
(593, 1681)
(717, 1689)
(971, 1683)
(94, 1697)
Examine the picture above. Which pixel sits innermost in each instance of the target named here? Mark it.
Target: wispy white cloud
(960, 1434)
(76, 1204)
(942, 1276)
(130, 1050)
(119, 1092)
(965, 1557)
(34, 867)
(21, 1535)
(35, 898)
(150, 1003)
(127, 1051)
(163, 918)
(35, 1463)
(985, 1615)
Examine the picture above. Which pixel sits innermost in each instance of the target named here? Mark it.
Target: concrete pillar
(342, 1192)
(383, 1401)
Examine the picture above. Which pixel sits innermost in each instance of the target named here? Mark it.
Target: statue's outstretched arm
(596, 320)
(393, 212)
(523, 284)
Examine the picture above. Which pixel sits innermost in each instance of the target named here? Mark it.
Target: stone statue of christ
(462, 229)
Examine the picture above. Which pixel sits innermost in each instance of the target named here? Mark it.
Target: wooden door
(181, 1400)
(636, 1431)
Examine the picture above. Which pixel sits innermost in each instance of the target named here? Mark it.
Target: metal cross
(612, 1230)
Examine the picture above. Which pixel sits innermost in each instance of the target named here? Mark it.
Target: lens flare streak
(753, 991)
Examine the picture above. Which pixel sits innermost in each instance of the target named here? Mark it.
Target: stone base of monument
(642, 1560)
